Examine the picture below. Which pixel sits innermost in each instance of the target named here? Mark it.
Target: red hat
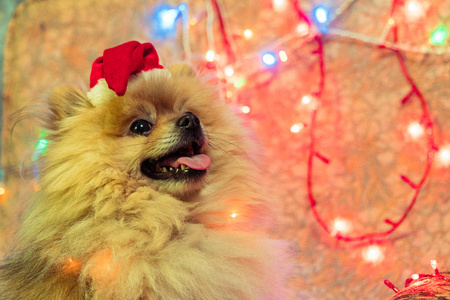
(117, 65)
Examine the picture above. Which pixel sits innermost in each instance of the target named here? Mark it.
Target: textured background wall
(361, 125)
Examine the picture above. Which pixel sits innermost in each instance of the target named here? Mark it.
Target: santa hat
(110, 73)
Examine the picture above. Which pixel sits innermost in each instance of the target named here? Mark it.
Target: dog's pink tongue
(196, 162)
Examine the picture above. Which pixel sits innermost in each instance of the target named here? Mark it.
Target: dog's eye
(141, 127)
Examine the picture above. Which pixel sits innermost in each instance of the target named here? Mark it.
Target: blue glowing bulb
(167, 18)
(269, 59)
(163, 20)
(321, 14)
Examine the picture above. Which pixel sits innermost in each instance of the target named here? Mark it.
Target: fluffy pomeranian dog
(146, 193)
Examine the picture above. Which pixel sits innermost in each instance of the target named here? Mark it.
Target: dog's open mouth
(185, 162)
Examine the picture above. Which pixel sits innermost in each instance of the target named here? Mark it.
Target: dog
(149, 189)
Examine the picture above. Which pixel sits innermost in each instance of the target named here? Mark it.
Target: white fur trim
(157, 73)
(100, 93)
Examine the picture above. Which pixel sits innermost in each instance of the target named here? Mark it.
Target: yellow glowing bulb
(296, 128)
(391, 21)
(234, 215)
(192, 21)
(229, 94)
(2, 190)
(248, 34)
(415, 130)
(210, 55)
(283, 56)
(373, 254)
(245, 109)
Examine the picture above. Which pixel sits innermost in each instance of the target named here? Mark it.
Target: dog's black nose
(189, 121)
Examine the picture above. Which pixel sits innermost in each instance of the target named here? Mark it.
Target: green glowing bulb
(439, 35)
(42, 144)
(240, 83)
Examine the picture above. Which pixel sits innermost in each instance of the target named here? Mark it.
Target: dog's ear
(182, 70)
(65, 101)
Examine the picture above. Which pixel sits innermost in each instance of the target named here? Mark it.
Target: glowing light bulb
(283, 56)
(373, 254)
(439, 35)
(443, 156)
(415, 130)
(279, 5)
(248, 34)
(72, 265)
(229, 71)
(296, 128)
(167, 18)
(391, 21)
(234, 215)
(340, 225)
(193, 21)
(303, 29)
(229, 94)
(269, 59)
(306, 99)
(433, 264)
(2, 191)
(414, 9)
(321, 14)
(245, 109)
(42, 145)
(240, 83)
(210, 55)
(415, 276)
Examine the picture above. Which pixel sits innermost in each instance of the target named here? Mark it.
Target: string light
(269, 59)
(296, 128)
(193, 21)
(163, 20)
(306, 99)
(248, 34)
(443, 156)
(437, 278)
(229, 71)
(240, 82)
(72, 266)
(210, 55)
(340, 226)
(279, 5)
(303, 29)
(415, 130)
(414, 9)
(245, 109)
(321, 14)
(439, 35)
(2, 191)
(41, 145)
(283, 56)
(373, 254)
(234, 215)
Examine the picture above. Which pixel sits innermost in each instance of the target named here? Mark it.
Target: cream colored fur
(99, 229)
